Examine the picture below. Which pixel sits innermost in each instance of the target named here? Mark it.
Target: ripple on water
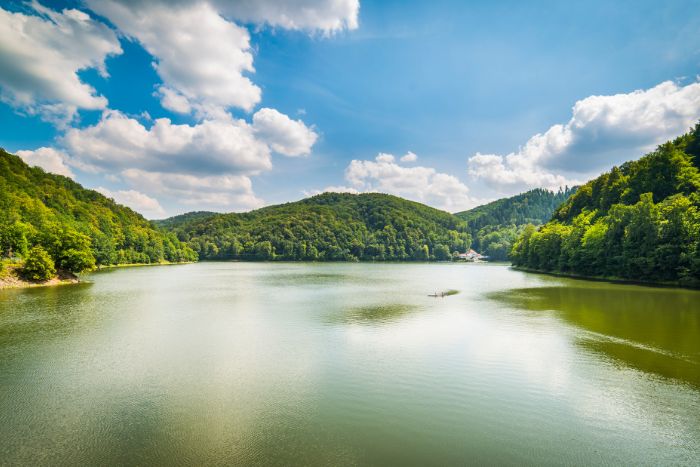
(373, 314)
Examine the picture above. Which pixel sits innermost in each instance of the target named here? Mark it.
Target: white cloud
(423, 184)
(149, 207)
(327, 16)
(409, 157)
(516, 172)
(40, 56)
(332, 189)
(211, 147)
(603, 131)
(384, 157)
(284, 135)
(206, 165)
(48, 159)
(173, 100)
(225, 192)
(200, 56)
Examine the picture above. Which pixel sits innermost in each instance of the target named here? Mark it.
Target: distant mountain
(327, 227)
(640, 221)
(495, 226)
(78, 228)
(182, 219)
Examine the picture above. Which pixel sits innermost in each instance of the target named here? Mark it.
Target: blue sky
(297, 103)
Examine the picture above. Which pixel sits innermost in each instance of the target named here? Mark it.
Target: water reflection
(227, 363)
(295, 279)
(374, 314)
(653, 330)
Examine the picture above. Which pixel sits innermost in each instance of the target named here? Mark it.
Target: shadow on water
(373, 314)
(34, 314)
(656, 331)
(311, 279)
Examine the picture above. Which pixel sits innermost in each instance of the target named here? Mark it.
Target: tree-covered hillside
(496, 225)
(78, 228)
(178, 221)
(330, 227)
(640, 221)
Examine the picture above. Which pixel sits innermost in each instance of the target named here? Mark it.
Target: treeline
(49, 219)
(328, 227)
(640, 221)
(495, 226)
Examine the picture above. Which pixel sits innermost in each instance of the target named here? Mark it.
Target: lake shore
(134, 265)
(612, 280)
(10, 279)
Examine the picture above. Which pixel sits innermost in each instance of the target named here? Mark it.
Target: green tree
(442, 253)
(39, 208)
(38, 266)
(639, 221)
(263, 250)
(76, 261)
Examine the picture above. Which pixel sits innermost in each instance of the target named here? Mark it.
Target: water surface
(279, 364)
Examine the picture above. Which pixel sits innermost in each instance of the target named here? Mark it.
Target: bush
(38, 266)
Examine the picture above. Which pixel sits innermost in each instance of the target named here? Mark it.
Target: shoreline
(134, 265)
(13, 281)
(611, 280)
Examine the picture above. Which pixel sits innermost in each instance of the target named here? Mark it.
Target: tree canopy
(495, 226)
(76, 227)
(328, 227)
(639, 221)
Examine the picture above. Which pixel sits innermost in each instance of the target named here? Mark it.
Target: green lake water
(344, 364)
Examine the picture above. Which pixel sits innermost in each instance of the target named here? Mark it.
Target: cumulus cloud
(211, 147)
(41, 55)
(333, 189)
(48, 159)
(201, 57)
(149, 207)
(423, 184)
(324, 15)
(173, 100)
(516, 172)
(409, 157)
(204, 61)
(603, 131)
(384, 157)
(207, 165)
(284, 135)
(228, 192)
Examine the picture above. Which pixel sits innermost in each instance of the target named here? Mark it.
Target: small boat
(445, 293)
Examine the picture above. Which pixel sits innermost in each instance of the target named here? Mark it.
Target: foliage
(640, 221)
(38, 266)
(495, 226)
(78, 228)
(328, 227)
(179, 220)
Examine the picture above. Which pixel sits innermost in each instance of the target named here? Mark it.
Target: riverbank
(612, 280)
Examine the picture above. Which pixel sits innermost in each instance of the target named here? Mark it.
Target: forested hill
(330, 227)
(78, 228)
(640, 221)
(495, 226)
(182, 219)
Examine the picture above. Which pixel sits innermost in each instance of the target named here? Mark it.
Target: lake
(343, 364)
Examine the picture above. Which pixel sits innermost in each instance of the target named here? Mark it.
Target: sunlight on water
(275, 363)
